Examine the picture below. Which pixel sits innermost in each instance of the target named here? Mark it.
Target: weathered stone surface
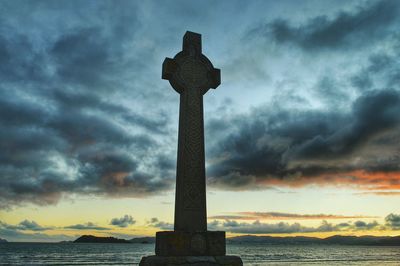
(191, 260)
(178, 243)
(191, 74)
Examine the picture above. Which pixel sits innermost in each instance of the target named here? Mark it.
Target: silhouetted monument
(191, 74)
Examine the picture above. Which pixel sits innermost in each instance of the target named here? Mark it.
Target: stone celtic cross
(191, 74)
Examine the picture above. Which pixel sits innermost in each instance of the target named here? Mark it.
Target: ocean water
(252, 254)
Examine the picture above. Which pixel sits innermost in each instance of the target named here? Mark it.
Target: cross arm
(168, 68)
(215, 78)
(192, 43)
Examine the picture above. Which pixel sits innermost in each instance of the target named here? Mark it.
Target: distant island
(3, 240)
(332, 240)
(99, 239)
(268, 240)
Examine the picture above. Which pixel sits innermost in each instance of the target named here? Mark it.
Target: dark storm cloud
(68, 101)
(16, 60)
(63, 126)
(77, 53)
(382, 67)
(124, 221)
(293, 146)
(350, 29)
(86, 226)
(80, 112)
(16, 113)
(372, 113)
(91, 57)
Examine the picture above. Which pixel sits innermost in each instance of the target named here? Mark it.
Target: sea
(251, 254)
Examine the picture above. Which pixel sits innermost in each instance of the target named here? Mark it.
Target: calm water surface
(252, 254)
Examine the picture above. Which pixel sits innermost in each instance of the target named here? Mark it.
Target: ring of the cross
(193, 73)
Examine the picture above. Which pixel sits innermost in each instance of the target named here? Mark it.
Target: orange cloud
(359, 179)
(381, 193)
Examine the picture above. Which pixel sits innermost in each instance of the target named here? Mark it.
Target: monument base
(191, 260)
(179, 243)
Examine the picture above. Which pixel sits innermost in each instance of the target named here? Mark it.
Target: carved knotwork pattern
(193, 73)
(192, 196)
(193, 149)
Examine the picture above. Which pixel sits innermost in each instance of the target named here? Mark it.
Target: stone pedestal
(191, 260)
(190, 248)
(177, 243)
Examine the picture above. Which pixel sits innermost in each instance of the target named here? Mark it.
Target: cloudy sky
(302, 136)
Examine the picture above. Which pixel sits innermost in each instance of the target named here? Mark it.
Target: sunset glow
(302, 137)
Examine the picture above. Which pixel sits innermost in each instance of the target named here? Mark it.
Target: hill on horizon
(332, 240)
(99, 239)
(270, 240)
